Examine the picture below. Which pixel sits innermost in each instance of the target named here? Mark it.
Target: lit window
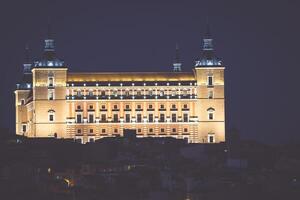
(161, 93)
(115, 92)
(150, 92)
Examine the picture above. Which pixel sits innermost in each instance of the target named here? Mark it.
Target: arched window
(210, 112)
(51, 115)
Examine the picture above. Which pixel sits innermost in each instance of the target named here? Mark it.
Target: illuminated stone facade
(51, 101)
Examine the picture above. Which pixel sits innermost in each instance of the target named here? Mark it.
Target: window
(102, 93)
(150, 130)
(22, 101)
(185, 130)
(162, 106)
(91, 118)
(150, 92)
(91, 107)
(150, 106)
(79, 131)
(50, 81)
(211, 139)
(78, 107)
(173, 92)
(24, 128)
(150, 118)
(127, 118)
(173, 130)
(139, 117)
(91, 140)
(79, 93)
(51, 117)
(210, 94)
(162, 130)
(209, 80)
(162, 117)
(115, 130)
(185, 117)
(210, 116)
(161, 93)
(103, 130)
(174, 119)
(139, 93)
(139, 106)
(127, 106)
(78, 118)
(139, 130)
(50, 94)
(115, 106)
(185, 92)
(115, 92)
(91, 93)
(91, 130)
(116, 118)
(103, 106)
(173, 106)
(103, 117)
(185, 106)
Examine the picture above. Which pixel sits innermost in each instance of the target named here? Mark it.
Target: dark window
(174, 130)
(103, 117)
(211, 139)
(210, 116)
(185, 130)
(210, 94)
(91, 107)
(173, 117)
(51, 117)
(24, 128)
(150, 117)
(78, 118)
(185, 106)
(185, 117)
(127, 93)
(22, 101)
(173, 106)
(92, 140)
(210, 81)
(162, 130)
(162, 118)
(102, 106)
(116, 117)
(150, 130)
(91, 130)
(115, 106)
(139, 106)
(127, 118)
(139, 130)
(91, 118)
(103, 131)
(127, 106)
(78, 131)
(103, 93)
(138, 93)
(150, 106)
(115, 130)
(139, 117)
(78, 107)
(162, 106)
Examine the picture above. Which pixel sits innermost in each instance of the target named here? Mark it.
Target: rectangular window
(211, 139)
(91, 130)
(115, 130)
(79, 131)
(50, 81)
(78, 118)
(209, 80)
(103, 130)
(24, 128)
(91, 118)
(102, 93)
(150, 118)
(91, 140)
(150, 106)
(150, 130)
(22, 101)
(173, 130)
(90, 92)
(185, 130)
(50, 94)
(103, 117)
(139, 130)
(162, 130)
(174, 119)
(139, 117)
(185, 117)
(211, 116)
(127, 118)
(138, 93)
(162, 117)
(210, 94)
(116, 118)
(51, 117)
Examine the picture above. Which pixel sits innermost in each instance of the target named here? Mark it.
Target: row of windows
(138, 106)
(103, 118)
(116, 131)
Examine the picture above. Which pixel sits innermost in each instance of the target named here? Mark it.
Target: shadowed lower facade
(53, 101)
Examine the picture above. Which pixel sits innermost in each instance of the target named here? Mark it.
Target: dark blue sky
(258, 42)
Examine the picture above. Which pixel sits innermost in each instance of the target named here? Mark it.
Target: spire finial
(49, 41)
(27, 53)
(177, 64)
(49, 28)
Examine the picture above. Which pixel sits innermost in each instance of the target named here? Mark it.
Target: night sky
(257, 40)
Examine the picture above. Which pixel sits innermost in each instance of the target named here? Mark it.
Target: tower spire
(177, 64)
(49, 41)
(27, 65)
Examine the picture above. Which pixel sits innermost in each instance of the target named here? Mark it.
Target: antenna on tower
(177, 64)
